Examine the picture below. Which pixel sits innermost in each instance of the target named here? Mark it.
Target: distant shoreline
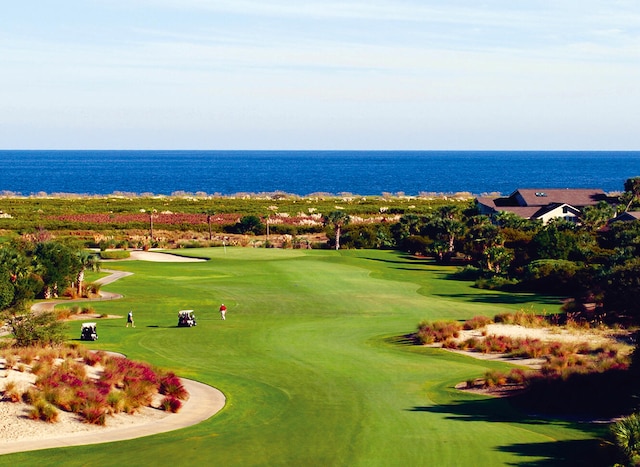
(152, 173)
(273, 195)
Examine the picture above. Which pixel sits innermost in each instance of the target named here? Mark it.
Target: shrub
(171, 385)
(44, 411)
(498, 344)
(494, 378)
(26, 354)
(115, 254)
(93, 358)
(516, 376)
(528, 348)
(171, 404)
(37, 329)
(476, 322)
(94, 413)
(93, 288)
(438, 331)
(523, 318)
(468, 273)
(11, 393)
(626, 435)
(116, 401)
(494, 282)
(62, 314)
(9, 361)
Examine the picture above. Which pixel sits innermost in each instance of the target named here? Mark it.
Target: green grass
(314, 368)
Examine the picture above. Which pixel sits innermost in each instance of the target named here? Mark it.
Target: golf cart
(88, 332)
(186, 318)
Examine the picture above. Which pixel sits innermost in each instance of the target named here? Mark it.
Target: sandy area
(549, 334)
(161, 257)
(19, 433)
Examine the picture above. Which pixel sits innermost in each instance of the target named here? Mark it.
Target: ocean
(27, 172)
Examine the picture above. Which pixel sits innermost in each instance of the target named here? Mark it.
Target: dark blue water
(307, 172)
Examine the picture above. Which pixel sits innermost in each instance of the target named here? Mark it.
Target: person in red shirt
(223, 311)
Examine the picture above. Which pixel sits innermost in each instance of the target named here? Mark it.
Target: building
(629, 216)
(544, 204)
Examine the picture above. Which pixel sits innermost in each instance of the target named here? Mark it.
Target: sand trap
(162, 257)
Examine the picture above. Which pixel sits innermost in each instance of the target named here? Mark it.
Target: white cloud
(361, 71)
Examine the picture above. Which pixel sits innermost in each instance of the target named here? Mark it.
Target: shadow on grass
(404, 340)
(583, 452)
(502, 298)
(578, 453)
(405, 260)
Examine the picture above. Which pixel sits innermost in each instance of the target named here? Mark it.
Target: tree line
(595, 261)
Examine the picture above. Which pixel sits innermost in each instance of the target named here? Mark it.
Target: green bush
(494, 282)
(626, 435)
(115, 254)
(37, 329)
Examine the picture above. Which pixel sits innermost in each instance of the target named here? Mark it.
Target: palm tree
(626, 434)
(595, 217)
(337, 219)
(632, 191)
(210, 213)
(151, 213)
(87, 261)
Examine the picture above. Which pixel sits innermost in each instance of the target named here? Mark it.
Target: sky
(313, 74)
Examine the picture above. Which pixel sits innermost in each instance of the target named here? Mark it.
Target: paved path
(204, 402)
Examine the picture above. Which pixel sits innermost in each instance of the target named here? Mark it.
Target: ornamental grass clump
(171, 404)
(94, 413)
(522, 318)
(494, 378)
(43, 410)
(494, 344)
(10, 392)
(437, 331)
(92, 358)
(477, 322)
(528, 348)
(62, 382)
(171, 385)
(116, 401)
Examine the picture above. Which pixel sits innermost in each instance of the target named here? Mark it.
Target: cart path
(204, 402)
(114, 276)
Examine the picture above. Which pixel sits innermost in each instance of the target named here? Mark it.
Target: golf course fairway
(313, 365)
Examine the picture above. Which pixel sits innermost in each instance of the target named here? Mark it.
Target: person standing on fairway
(130, 320)
(223, 312)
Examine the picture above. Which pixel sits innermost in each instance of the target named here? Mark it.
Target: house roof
(526, 212)
(628, 216)
(529, 197)
(577, 197)
(532, 203)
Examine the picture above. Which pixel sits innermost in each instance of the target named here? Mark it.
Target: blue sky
(311, 74)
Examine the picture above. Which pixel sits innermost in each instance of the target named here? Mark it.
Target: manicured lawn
(313, 368)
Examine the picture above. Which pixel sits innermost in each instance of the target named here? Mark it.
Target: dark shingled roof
(577, 197)
(533, 202)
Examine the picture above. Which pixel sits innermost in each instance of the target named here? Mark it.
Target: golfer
(130, 320)
(223, 311)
